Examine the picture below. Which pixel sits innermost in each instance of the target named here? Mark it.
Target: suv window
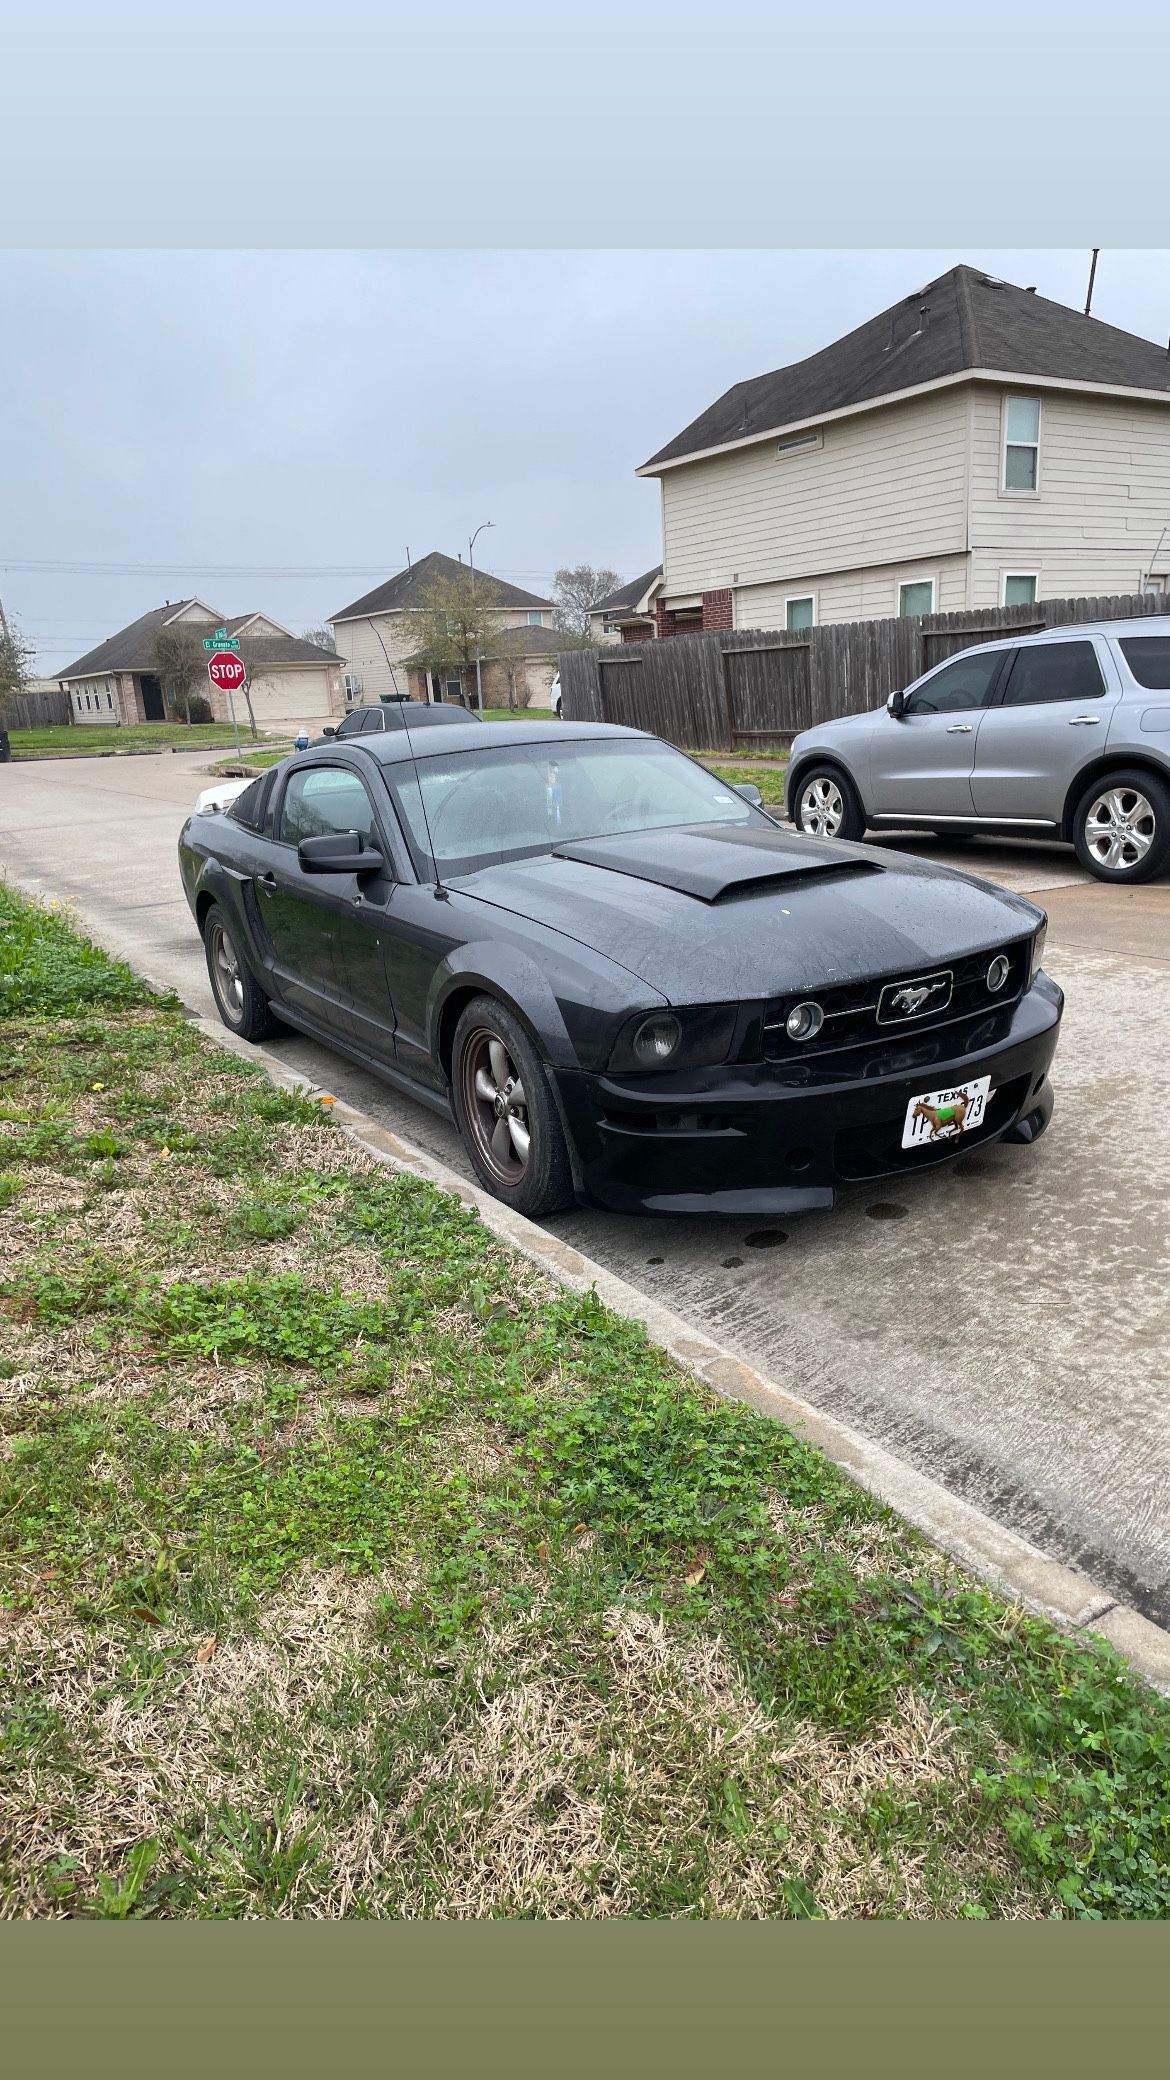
(324, 798)
(353, 722)
(1148, 658)
(1054, 672)
(373, 719)
(965, 683)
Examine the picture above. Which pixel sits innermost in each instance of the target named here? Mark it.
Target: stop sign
(226, 670)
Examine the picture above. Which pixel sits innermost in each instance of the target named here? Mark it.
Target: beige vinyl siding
(361, 652)
(1103, 498)
(888, 486)
(861, 595)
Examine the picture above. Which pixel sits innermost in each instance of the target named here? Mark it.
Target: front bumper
(782, 1137)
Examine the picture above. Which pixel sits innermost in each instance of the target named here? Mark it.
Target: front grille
(851, 1012)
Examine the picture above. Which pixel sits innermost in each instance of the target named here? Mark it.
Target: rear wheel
(239, 999)
(826, 804)
(506, 1111)
(1121, 828)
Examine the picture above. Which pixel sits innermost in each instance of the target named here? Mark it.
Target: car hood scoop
(715, 865)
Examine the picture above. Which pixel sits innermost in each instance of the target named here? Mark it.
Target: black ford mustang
(622, 979)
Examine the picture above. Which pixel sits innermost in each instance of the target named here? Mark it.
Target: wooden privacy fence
(753, 689)
(35, 710)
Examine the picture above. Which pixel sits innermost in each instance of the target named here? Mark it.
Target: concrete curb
(990, 1550)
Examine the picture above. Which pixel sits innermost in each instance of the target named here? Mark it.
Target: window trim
(930, 578)
(1006, 576)
(795, 599)
(1006, 491)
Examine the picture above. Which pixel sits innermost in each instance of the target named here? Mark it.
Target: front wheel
(239, 999)
(506, 1111)
(826, 805)
(1121, 829)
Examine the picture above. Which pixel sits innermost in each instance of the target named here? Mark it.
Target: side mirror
(750, 793)
(338, 852)
(896, 705)
(329, 730)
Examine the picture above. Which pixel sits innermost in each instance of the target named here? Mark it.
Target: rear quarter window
(249, 807)
(1148, 658)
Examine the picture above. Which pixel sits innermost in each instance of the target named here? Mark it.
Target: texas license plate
(939, 1116)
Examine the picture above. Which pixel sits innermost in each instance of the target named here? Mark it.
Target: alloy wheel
(496, 1105)
(1120, 828)
(822, 808)
(226, 975)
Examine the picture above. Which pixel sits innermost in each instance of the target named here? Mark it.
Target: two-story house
(378, 634)
(976, 445)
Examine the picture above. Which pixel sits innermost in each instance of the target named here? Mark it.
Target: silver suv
(1060, 735)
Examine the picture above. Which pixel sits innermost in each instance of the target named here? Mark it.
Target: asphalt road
(1004, 1326)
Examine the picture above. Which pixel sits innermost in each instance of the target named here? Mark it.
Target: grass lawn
(767, 773)
(82, 742)
(349, 1568)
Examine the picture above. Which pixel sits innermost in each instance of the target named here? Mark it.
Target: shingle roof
(626, 595)
(131, 649)
(408, 588)
(964, 320)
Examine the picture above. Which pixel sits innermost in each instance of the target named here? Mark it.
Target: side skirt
(436, 1100)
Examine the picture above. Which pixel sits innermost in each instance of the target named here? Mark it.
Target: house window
(536, 620)
(916, 596)
(1019, 590)
(109, 699)
(800, 612)
(1021, 444)
(791, 443)
(454, 689)
(1154, 586)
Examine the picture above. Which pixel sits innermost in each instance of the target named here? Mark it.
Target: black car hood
(745, 913)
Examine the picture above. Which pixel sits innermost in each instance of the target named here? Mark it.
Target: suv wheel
(506, 1112)
(826, 805)
(1121, 829)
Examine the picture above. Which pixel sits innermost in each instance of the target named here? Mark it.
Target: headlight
(1037, 952)
(804, 1021)
(693, 1038)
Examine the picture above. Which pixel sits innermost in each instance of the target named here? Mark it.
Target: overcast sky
(276, 430)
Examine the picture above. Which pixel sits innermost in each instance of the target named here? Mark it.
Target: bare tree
(321, 638)
(577, 590)
(457, 621)
(507, 650)
(181, 664)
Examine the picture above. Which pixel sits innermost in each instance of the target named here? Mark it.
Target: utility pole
(471, 562)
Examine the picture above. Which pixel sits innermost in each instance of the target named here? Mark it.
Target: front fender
(571, 1020)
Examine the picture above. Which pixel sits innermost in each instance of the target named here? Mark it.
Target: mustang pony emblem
(911, 1000)
(943, 1119)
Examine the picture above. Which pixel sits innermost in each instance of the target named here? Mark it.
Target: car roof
(1068, 631)
(391, 746)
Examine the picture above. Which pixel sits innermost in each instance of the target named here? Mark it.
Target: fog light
(804, 1021)
(998, 972)
(657, 1039)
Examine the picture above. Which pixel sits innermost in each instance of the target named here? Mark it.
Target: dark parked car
(621, 979)
(371, 717)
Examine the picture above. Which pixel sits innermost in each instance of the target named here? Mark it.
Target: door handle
(266, 882)
(958, 729)
(1083, 721)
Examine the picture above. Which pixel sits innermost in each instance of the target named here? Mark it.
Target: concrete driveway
(1004, 1327)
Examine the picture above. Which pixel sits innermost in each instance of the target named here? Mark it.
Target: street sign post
(226, 670)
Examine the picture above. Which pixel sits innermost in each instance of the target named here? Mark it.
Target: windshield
(485, 807)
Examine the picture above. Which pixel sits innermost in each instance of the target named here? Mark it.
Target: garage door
(290, 697)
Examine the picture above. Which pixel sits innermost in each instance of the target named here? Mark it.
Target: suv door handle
(267, 882)
(1083, 721)
(958, 729)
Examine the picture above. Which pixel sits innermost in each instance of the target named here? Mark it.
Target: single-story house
(976, 445)
(627, 615)
(290, 680)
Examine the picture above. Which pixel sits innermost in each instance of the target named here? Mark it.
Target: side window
(964, 683)
(352, 724)
(1054, 672)
(373, 719)
(324, 798)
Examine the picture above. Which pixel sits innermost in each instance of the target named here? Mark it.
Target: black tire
(491, 1057)
(840, 815)
(1124, 816)
(239, 999)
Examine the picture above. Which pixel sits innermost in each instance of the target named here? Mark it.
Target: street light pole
(471, 564)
